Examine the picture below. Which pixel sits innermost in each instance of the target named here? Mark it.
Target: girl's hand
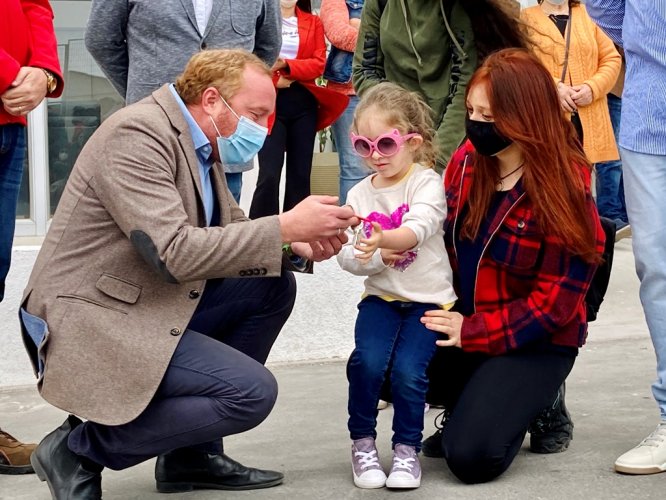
(566, 97)
(582, 94)
(390, 257)
(446, 322)
(366, 247)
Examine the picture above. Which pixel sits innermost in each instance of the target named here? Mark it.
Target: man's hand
(566, 97)
(316, 218)
(582, 94)
(26, 91)
(321, 250)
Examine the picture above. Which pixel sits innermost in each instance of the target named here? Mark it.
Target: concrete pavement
(608, 394)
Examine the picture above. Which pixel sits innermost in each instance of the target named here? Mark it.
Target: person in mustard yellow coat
(592, 68)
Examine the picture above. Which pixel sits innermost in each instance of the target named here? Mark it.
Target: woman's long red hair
(526, 109)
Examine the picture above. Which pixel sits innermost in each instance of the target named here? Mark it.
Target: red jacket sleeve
(44, 47)
(311, 59)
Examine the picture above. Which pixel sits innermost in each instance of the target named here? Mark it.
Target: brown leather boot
(14, 455)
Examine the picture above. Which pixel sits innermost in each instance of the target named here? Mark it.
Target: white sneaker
(368, 472)
(649, 457)
(406, 469)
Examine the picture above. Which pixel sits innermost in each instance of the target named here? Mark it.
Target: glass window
(87, 100)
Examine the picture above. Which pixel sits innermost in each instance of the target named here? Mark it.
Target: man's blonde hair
(219, 68)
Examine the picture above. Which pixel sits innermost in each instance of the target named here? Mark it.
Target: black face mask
(485, 138)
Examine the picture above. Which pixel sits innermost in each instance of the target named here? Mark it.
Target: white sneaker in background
(649, 457)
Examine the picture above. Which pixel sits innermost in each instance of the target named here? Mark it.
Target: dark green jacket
(409, 42)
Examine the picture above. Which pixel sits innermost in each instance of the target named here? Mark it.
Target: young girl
(400, 248)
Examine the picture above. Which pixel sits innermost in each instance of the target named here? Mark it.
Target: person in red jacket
(29, 71)
(302, 108)
(524, 240)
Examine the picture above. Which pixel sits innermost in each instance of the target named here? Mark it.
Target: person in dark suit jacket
(139, 315)
(140, 45)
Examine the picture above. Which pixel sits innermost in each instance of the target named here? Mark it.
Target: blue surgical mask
(241, 146)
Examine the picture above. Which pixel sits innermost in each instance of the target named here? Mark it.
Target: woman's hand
(582, 94)
(368, 246)
(446, 322)
(279, 64)
(355, 22)
(26, 91)
(566, 97)
(283, 82)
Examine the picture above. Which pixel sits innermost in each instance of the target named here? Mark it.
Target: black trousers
(294, 134)
(215, 384)
(492, 400)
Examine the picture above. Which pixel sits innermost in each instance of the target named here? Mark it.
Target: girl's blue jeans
(390, 341)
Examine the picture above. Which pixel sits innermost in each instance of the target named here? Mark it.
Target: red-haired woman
(524, 240)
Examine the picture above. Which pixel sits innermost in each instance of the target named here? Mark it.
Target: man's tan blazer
(126, 259)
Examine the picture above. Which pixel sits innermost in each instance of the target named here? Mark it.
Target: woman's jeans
(12, 154)
(610, 188)
(390, 338)
(352, 167)
(645, 189)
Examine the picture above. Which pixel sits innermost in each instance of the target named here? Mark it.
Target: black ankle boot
(68, 475)
(432, 446)
(552, 430)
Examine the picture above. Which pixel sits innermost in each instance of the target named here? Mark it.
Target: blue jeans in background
(390, 338)
(610, 187)
(352, 167)
(12, 154)
(235, 184)
(645, 187)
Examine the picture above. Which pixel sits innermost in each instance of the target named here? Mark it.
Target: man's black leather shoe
(187, 469)
(62, 469)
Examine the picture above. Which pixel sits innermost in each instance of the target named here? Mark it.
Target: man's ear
(209, 99)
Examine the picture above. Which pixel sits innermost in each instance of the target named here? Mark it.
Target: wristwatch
(51, 81)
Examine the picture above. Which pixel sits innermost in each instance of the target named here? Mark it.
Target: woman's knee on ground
(475, 462)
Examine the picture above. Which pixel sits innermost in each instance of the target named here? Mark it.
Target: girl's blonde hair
(405, 111)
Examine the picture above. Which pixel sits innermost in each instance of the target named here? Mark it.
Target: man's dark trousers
(215, 384)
